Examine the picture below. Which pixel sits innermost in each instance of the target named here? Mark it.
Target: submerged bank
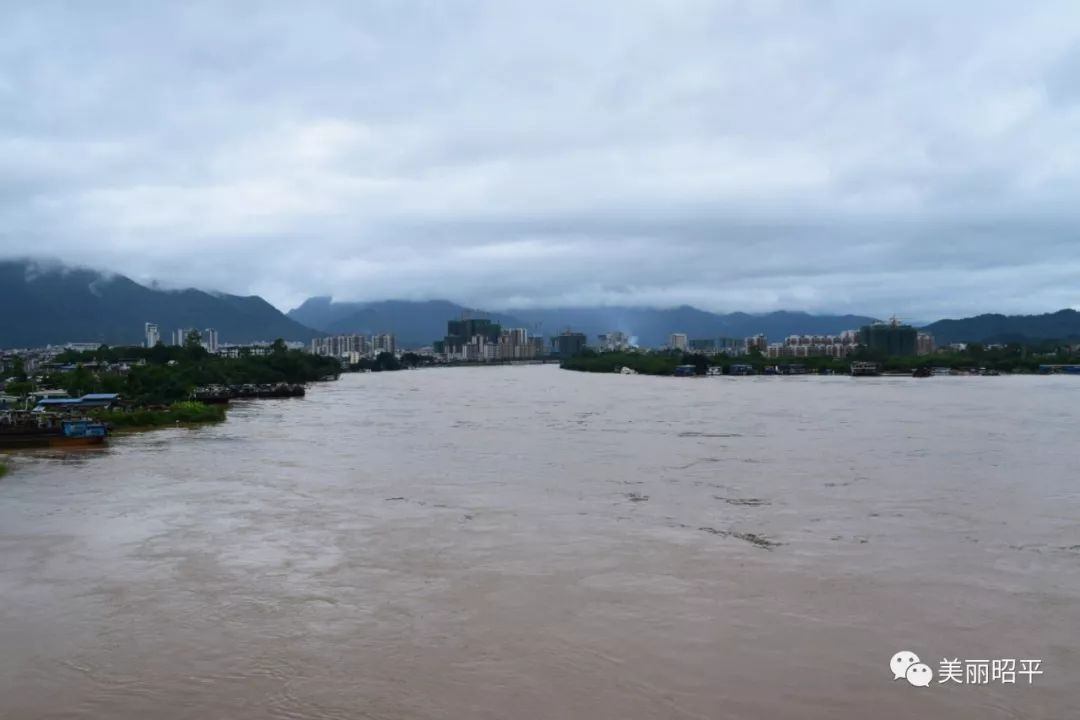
(182, 413)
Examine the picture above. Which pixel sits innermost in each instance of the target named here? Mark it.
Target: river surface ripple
(527, 542)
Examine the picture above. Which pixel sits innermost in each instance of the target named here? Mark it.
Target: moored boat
(221, 394)
(19, 430)
(865, 369)
(212, 395)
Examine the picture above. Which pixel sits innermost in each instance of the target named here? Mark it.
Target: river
(528, 542)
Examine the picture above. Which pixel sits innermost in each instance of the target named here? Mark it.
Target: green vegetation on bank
(3, 470)
(1012, 358)
(164, 375)
(187, 412)
(385, 361)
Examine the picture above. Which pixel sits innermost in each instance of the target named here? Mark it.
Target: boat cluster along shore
(221, 394)
(80, 397)
(67, 427)
(856, 369)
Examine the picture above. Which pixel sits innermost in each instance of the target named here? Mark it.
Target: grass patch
(3, 470)
(183, 413)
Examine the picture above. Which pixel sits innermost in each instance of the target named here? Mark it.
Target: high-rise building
(514, 345)
(461, 334)
(384, 343)
(678, 341)
(567, 344)
(891, 338)
(924, 344)
(703, 345)
(210, 340)
(152, 337)
(180, 337)
(756, 342)
(481, 340)
(730, 346)
(468, 329)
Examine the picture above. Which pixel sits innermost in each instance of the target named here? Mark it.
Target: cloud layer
(921, 159)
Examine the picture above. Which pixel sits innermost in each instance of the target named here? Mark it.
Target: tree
(80, 382)
(19, 389)
(193, 347)
(386, 361)
(698, 360)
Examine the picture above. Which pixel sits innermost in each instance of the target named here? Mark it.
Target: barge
(222, 394)
(22, 430)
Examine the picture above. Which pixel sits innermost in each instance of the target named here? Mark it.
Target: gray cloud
(915, 158)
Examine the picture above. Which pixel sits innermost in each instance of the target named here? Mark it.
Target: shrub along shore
(1013, 358)
(181, 413)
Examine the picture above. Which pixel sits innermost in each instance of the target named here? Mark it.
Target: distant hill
(414, 323)
(993, 328)
(419, 323)
(653, 327)
(51, 304)
(43, 303)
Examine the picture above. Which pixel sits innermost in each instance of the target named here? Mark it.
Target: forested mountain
(51, 304)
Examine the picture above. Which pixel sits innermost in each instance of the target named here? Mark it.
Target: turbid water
(527, 542)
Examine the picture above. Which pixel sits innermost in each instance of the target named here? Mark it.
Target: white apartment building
(342, 346)
(756, 342)
(614, 341)
(210, 340)
(801, 346)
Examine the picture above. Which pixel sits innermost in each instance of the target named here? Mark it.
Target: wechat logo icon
(906, 664)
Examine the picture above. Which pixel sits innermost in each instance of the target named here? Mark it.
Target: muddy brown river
(527, 542)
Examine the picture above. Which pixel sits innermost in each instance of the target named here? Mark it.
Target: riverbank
(3, 470)
(666, 362)
(164, 375)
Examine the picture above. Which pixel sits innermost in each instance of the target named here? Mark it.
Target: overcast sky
(913, 158)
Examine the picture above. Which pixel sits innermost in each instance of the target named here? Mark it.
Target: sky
(912, 158)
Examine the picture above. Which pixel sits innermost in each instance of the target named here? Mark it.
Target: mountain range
(47, 303)
(993, 328)
(44, 304)
(419, 323)
(415, 323)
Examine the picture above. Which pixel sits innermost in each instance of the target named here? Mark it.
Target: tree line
(1014, 357)
(164, 374)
